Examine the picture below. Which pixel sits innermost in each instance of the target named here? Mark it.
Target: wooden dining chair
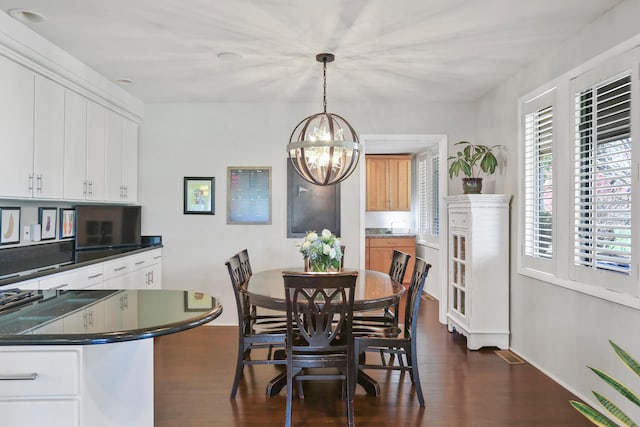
(397, 270)
(399, 343)
(251, 333)
(319, 312)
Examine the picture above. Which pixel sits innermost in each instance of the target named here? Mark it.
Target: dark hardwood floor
(462, 388)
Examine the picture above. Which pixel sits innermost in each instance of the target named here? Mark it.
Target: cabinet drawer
(50, 413)
(458, 219)
(116, 268)
(145, 259)
(392, 242)
(77, 279)
(54, 373)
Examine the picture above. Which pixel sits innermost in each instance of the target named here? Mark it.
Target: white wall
(554, 328)
(179, 140)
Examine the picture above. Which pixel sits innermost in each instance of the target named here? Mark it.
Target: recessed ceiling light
(229, 56)
(28, 16)
(124, 81)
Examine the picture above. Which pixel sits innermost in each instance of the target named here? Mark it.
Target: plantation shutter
(429, 197)
(603, 176)
(538, 182)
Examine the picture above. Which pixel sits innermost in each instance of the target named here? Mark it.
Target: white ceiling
(417, 50)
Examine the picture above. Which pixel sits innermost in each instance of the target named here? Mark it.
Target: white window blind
(603, 177)
(538, 183)
(428, 195)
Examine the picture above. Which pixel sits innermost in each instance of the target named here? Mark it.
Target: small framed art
(197, 301)
(199, 195)
(47, 217)
(9, 225)
(67, 223)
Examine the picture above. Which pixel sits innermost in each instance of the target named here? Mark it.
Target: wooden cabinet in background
(388, 182)
(379, 252)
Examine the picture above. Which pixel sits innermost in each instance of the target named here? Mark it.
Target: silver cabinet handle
(94, 276)
(19, 377)
(30, 182)
(139, 263)
(84, 187)
(124, 267)
(39, 183)
(62, 285)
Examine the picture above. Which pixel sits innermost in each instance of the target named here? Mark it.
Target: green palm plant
(473, 159)
(597, 417)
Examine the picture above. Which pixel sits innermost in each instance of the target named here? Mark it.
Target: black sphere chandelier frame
(324, 148)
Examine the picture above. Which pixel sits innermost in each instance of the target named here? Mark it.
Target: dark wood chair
(398, 342)
(365, 323)
(319, 314)
(251, 334)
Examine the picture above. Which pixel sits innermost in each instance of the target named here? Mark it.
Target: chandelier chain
(324, 86)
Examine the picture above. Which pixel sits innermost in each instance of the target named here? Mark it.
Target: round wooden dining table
(374, 290)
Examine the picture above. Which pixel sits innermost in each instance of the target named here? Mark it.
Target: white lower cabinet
(105, 385)
(40, 386)
(81, 278)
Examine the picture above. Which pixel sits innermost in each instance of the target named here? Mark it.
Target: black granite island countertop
(81, 317)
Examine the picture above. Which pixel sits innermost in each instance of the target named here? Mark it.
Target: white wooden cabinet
(16, 129)
(48, 142)
(121, 159)
(75, 146)
(478, 277)
(95, 174)
(40, 387)
(106, 385)
(85, 321)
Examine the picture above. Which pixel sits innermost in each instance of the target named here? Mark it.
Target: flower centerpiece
(321, 252)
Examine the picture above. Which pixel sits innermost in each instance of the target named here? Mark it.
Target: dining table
(374, 290)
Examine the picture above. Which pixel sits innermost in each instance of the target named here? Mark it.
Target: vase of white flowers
(321, 252)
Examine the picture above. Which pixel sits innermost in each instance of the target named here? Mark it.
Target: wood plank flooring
(462, 388)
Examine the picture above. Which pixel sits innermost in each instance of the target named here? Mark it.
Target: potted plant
(471, 160)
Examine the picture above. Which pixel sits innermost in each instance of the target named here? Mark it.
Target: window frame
(425, 228)
(561, 271)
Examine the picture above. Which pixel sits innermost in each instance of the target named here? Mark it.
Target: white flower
(312, 236)
(326, 234)
(338, 243)
(332, 253)
(306, 244)
(326, 249)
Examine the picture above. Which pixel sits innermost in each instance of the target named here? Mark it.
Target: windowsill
(428, 244)
(594, 291)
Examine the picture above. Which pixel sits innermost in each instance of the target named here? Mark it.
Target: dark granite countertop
(387, 232)
(131, 314)
(75, 259)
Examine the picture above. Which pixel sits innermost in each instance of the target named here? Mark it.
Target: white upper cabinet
(75, 146)
(121, 159)
(96, 121)
(16, 129)
(48, 156)
(113, 156)
(130, 160)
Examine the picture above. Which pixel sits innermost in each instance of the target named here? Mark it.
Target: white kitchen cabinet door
(130, 160)
(16, 129)
(48, 158)
(113, 157)
(95, 151)
(75, 146)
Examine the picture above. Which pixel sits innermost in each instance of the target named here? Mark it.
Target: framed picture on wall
(47, 218)
(199, 195)
(67, 223)
(249, 195)
(9, 225)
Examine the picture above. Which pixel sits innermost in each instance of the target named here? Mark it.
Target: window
(603, 177)
(428, 195)
(537, 181)
(579, 209)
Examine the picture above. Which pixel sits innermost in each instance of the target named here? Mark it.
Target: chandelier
(324, 148)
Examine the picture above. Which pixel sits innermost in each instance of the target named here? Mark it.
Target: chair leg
(239, 369)
(350, 384)
(414, 372)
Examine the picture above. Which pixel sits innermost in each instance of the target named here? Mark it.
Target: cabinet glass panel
(455, 246)
(462, 281)
(462, 248)
(463, 308)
